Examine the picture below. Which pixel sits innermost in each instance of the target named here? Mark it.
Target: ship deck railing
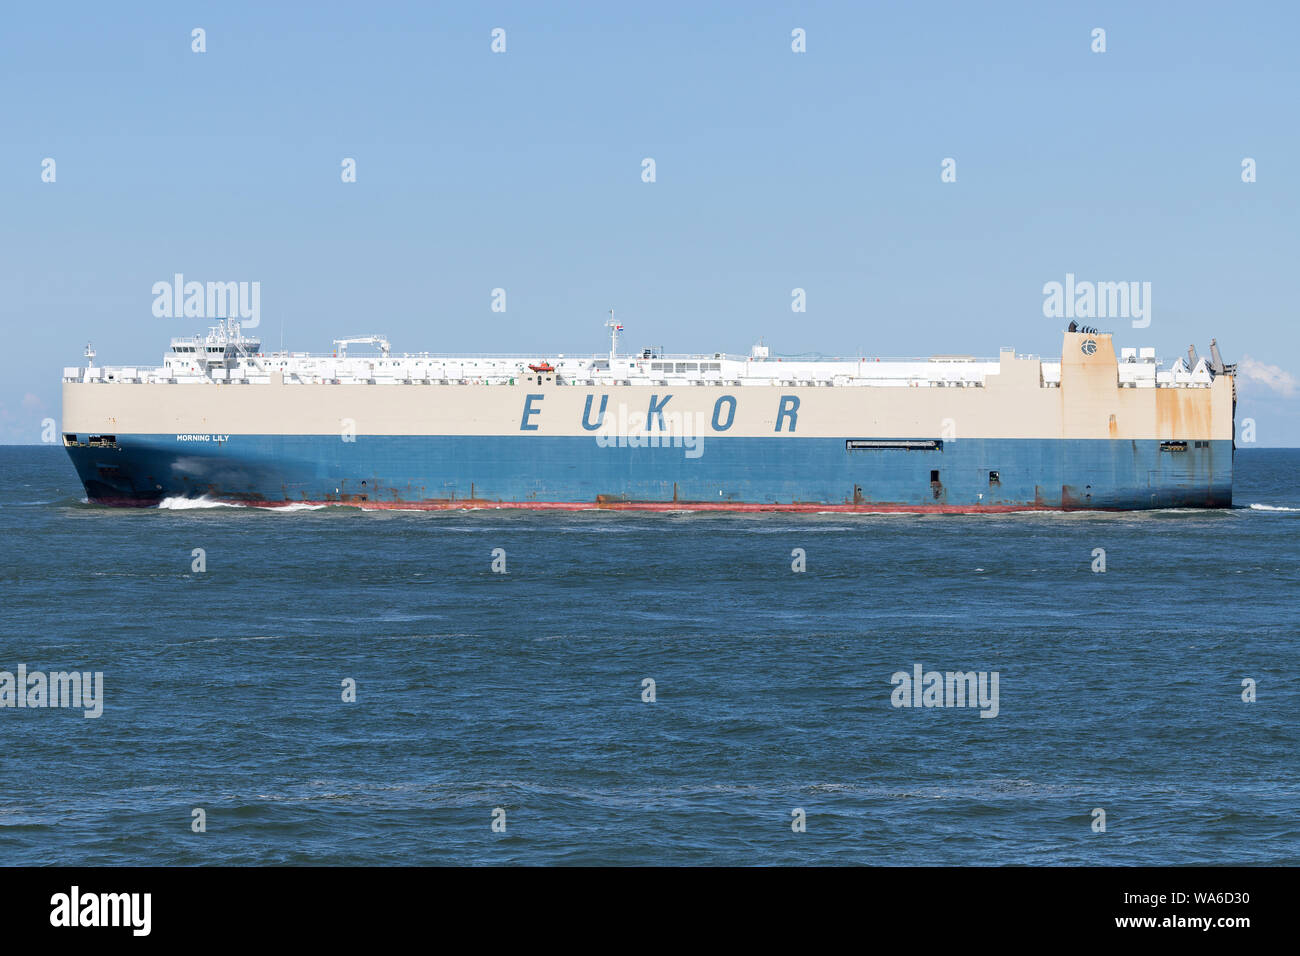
(604, 357)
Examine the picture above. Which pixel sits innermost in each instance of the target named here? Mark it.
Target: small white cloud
(1270, 376)
(32, 402)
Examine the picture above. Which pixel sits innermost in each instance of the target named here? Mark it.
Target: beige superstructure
(1087, 394)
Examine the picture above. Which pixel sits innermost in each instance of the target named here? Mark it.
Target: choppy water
(523, 691)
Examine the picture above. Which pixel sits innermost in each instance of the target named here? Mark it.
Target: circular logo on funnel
(1089, 347)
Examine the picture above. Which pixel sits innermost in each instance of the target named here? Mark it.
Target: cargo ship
(221, 419)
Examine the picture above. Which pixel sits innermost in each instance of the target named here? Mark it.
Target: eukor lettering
(655, 419)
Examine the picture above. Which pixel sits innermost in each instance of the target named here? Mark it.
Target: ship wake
(194, 504)
(197, 504)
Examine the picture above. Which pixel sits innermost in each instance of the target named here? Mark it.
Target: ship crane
(380, 340)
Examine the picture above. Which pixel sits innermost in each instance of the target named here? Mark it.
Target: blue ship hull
(740, 473)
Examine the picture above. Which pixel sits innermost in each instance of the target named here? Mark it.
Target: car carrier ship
(223, 420)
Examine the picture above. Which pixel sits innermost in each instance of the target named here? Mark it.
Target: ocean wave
(1258, 507)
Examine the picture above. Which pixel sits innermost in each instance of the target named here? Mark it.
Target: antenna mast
(614, 329)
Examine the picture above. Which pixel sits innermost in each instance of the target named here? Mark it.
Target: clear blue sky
(775, 170)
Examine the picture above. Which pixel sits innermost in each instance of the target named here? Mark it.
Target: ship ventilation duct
(1216, 360)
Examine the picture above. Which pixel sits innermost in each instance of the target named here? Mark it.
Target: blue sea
(519, 697)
